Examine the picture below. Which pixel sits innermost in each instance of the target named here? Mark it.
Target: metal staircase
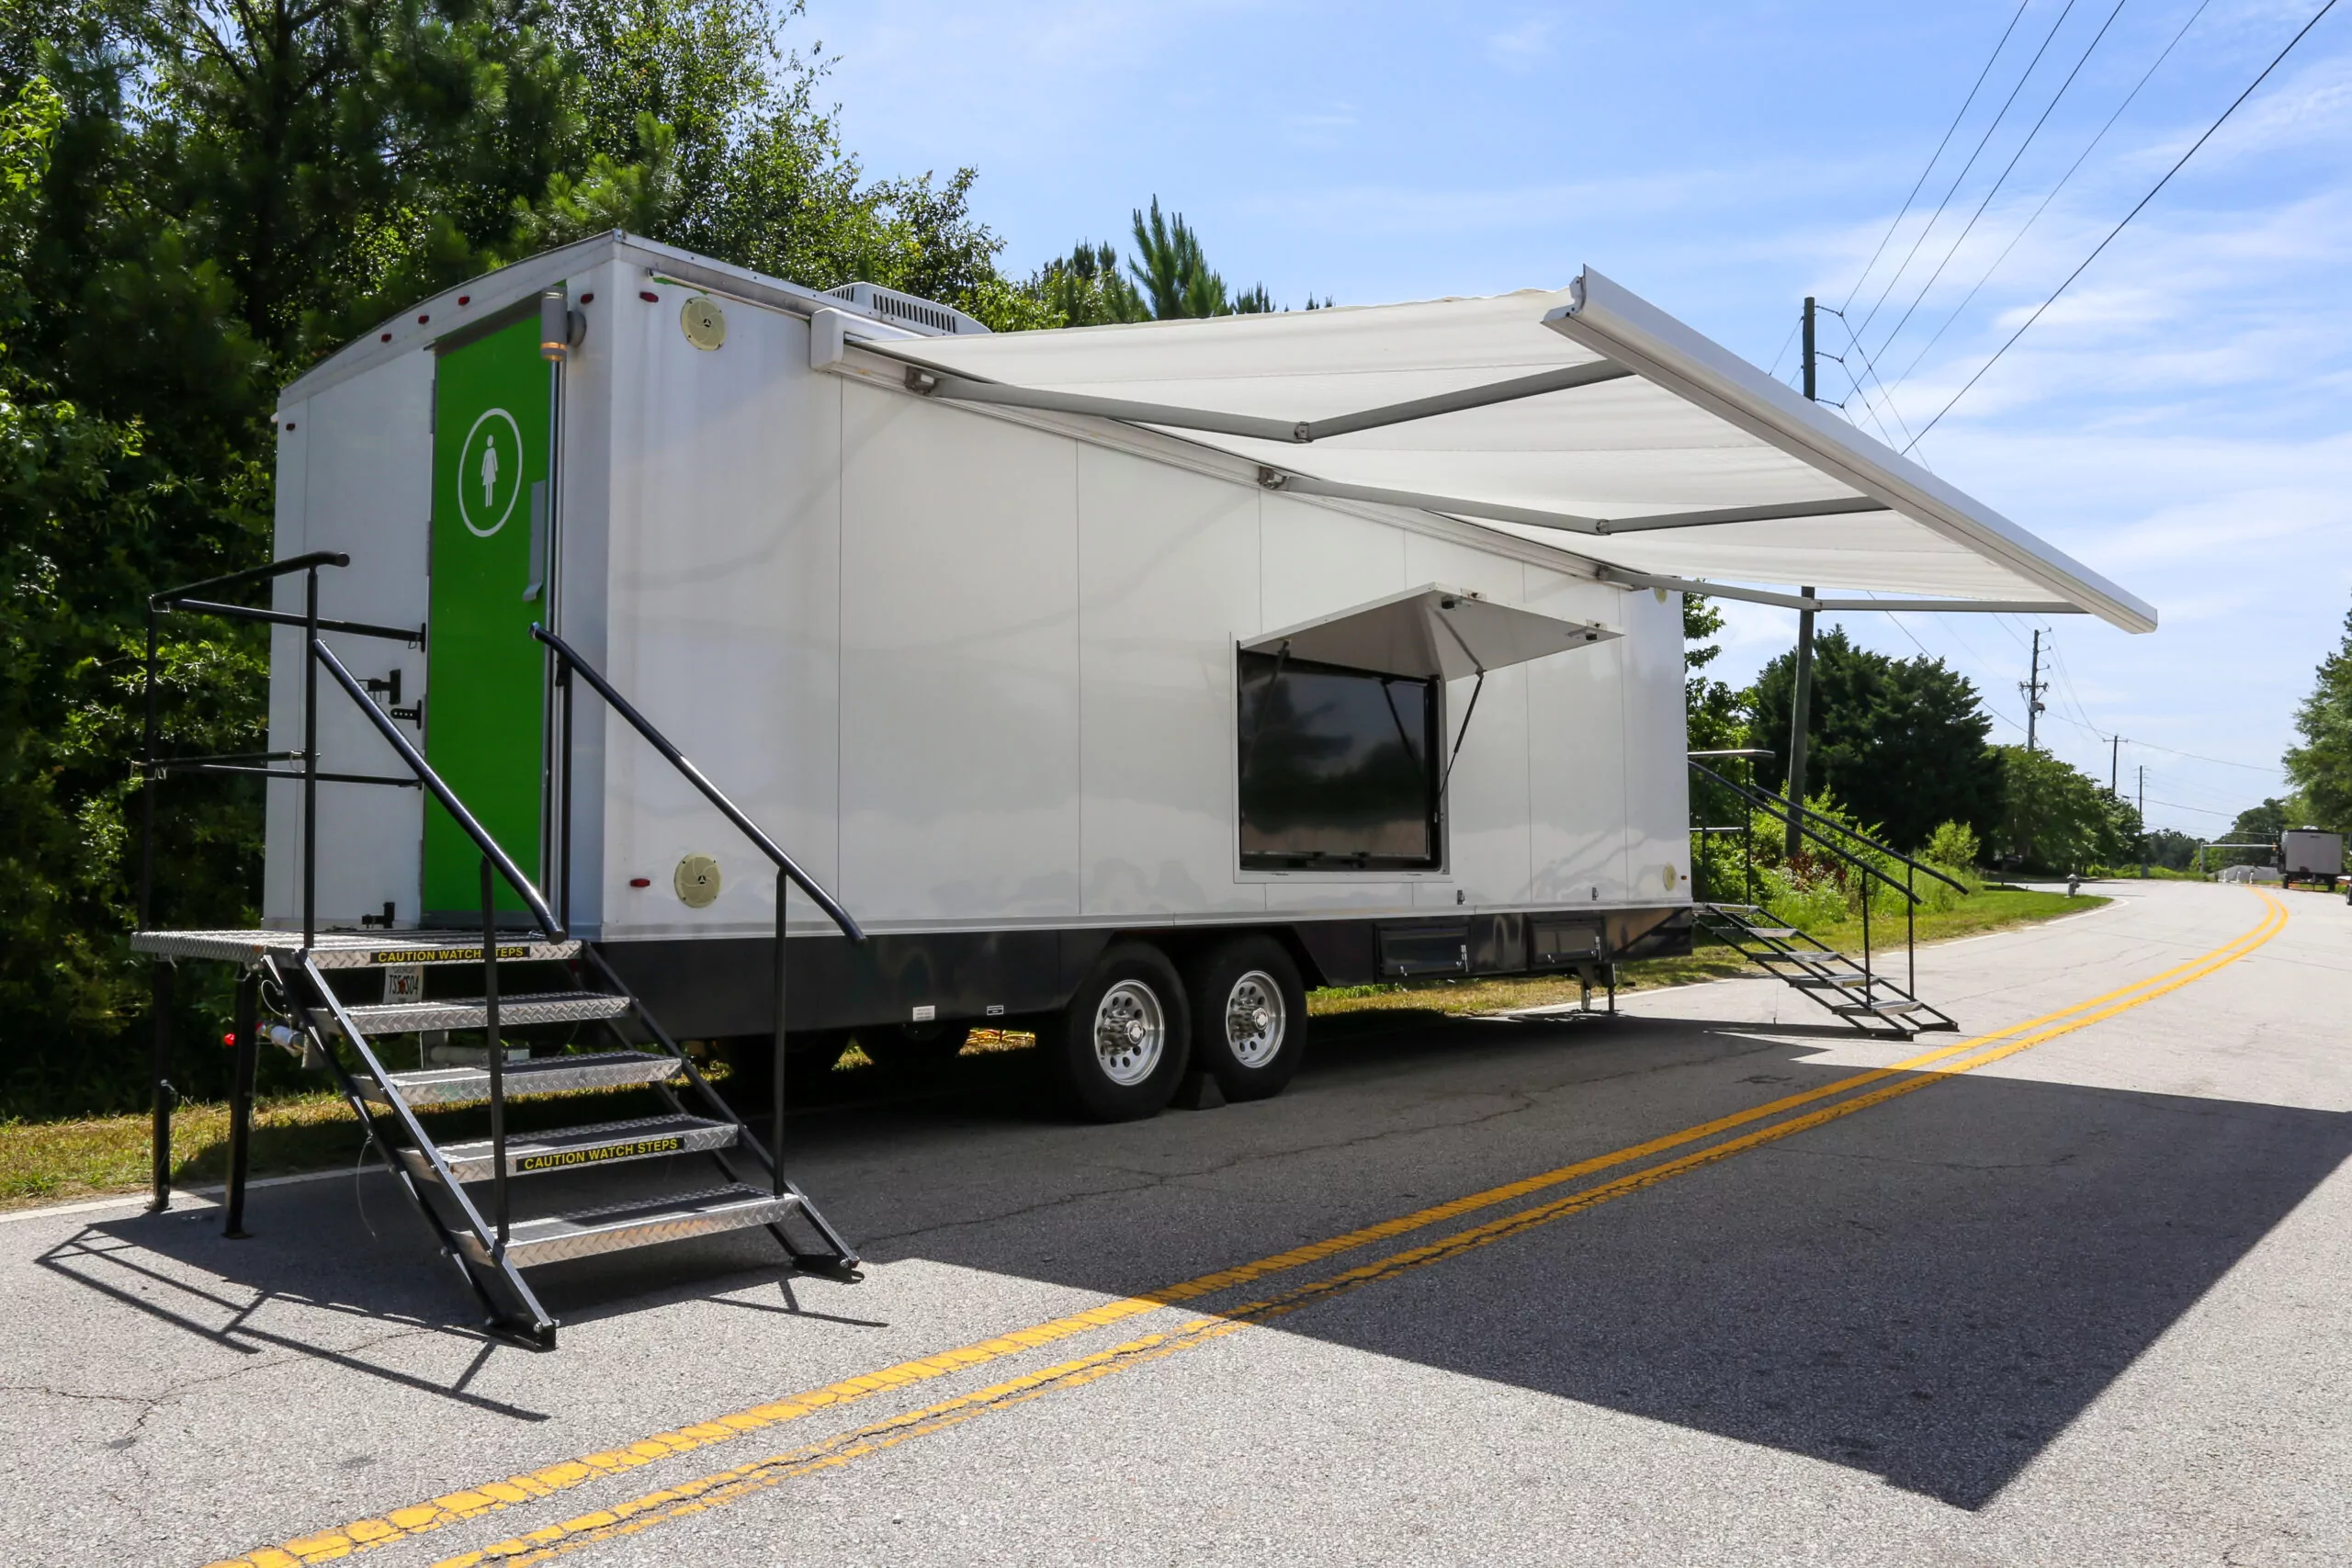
(353, 1003)
(1850, 985)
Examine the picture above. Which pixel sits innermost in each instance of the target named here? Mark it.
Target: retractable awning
(1585, 418)
(1429, 633)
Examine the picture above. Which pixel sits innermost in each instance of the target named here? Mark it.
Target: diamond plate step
(559, 1237)
(547, 1074)
(352, 950)
(606, 1142)
(1899, 1005)
(468, 1012)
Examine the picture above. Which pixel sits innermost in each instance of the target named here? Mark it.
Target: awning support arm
(1798, 601)
(1306, 484)
(1460, 734)
(1298, 432)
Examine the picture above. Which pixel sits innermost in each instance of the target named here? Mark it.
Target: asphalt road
(1701, 1284)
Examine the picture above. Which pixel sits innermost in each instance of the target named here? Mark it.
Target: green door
(485, 675)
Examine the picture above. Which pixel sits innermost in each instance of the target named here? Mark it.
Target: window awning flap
(1584, 418)
(1431, 633)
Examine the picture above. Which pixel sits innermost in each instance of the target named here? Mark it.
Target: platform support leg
(240, 1100)
(160, 994)
(1612, 989)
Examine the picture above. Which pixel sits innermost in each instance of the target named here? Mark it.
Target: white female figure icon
(488, 471)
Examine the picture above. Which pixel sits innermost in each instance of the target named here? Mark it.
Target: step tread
(572, 1149)
(354, 949)
(544, 1075)
(1899, 1004)
(468, 1012)
(644, 1221)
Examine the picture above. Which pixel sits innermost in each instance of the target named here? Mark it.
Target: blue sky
(2181, 420)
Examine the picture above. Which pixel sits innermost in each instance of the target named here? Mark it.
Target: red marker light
(386, 338)
(649, 296)
(640, 881)
(228, 1040)
(465, 298)
(587, 299)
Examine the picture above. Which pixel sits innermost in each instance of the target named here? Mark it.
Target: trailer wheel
(1120, 1047)
(1249, 1016)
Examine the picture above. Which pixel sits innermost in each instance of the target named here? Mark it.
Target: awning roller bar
(1598, 527)
(1618, 574)
(1298, 432)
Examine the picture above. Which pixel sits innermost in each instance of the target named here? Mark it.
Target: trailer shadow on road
(1929, 1290)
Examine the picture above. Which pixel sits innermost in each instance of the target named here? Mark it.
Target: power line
(1970, 227)
(1981, 142)
(2079, 158)
(1932, 159)
(1871, 366)
(2242, 97)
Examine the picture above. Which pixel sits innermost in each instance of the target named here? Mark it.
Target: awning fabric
(1664, 424)
(1429, 633)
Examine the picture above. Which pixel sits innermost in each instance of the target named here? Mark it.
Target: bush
(1953, 844)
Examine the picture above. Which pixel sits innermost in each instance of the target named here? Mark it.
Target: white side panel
(365, 488)
(1658, 775)
(581, 602)
(1319, 561)
(959, 666)
(724, 539)
(281, 891)
(1168, 584)
(1577, 772)
(1488, 843)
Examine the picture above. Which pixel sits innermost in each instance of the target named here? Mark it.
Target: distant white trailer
(2310, 854)
(1187, 663)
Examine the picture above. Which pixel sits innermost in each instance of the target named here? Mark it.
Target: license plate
(404, 983)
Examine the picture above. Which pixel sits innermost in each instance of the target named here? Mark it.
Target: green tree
(2058, 819)
(1899, 742)
(1170, 280)
(1086, 288)
(2322, 766)
(199, 202)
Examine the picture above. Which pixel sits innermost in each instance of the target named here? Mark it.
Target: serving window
(1339, 768)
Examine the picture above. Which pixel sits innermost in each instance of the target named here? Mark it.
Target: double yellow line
(1856, 1091)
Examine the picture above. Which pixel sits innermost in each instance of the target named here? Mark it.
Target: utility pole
(1801, 700)
(2033, 686)
(2114, 754)
(1811, 388)
(2142, 809)
(1799, 704)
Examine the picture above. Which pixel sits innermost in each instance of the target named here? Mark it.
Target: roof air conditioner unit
(925, 316)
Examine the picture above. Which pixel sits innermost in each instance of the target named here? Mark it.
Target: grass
(1996, 909)
(50, 1162)
(53, 1162)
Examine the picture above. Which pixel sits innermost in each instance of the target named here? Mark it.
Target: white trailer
(2311, 854)
(1119, 682)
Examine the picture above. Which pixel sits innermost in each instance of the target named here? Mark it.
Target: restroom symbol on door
(490, 466)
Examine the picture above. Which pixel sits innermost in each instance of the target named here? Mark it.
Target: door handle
(538, 542)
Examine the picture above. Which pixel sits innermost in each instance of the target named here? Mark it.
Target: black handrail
(788, 871)
(1780, 806)
(441, 792)
(413, 636)
(710, 791)
(166, 599)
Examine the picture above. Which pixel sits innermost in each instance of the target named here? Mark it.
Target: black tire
(1098, 1076)
(1249, 1016)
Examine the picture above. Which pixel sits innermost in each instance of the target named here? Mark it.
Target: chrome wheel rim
(1130, 1032)
(1255, 1019)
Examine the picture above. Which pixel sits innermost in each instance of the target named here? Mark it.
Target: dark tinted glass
(1337, 768)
